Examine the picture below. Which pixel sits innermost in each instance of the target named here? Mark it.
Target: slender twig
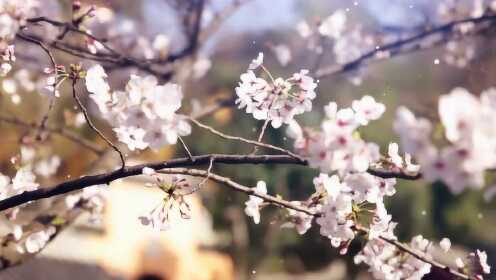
(241, 139)
(262, 131)
(51, 103)
(93, 127)
(209, 110)
(185, 147)
(205, 179)
(60, 131)
(220, 17)
(261, 135)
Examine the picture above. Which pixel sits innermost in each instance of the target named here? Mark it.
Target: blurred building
(122, 248)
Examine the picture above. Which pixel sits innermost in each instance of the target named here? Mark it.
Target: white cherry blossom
(278, 101)
(445, 244)
(37, 241)
(367, 109)
(257, 62)
(145, 114)
(334, 25)
(252, 208)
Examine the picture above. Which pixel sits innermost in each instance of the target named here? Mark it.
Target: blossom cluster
(277, 101)
(338, 147)
(469, 129)
(387, 262)
(144, 114)
(349, 42)
(13, 15)
(357, 200)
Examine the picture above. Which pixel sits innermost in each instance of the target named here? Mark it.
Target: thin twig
(60, 131)
(261, 135)
(93, 127)
(44, 120)
(241, 139)
(186, 148)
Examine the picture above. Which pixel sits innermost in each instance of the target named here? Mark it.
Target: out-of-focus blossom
(282, 53)
(257, 62)
(252, 208)
(469, 127)
(334, 25)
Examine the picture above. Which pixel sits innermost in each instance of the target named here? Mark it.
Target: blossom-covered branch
(106, 178)
(415, 42)
(296, 206)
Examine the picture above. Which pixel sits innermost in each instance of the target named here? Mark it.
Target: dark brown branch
(128, 171)
(395, 47)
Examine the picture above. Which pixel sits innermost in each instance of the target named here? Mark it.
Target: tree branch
(128, 171)
(395, 46)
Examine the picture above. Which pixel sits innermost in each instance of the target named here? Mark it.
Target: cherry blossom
(334, 25)
(336, 147)
(386, 262)
(302, 222)
(282, 54)
(257, 62)
(367, 109)
(252, 208)
(342, 199)
(348, 202)
(468, 127)
(36, 241)
(24, 180)
(144, 115)
(47, 167)
(477, 264)
(278, 101)
(394, 156)
(445, 244)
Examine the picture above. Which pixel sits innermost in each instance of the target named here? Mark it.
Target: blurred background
(220, 241)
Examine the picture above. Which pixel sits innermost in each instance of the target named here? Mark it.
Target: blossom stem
(93, 127)
(186, 148)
